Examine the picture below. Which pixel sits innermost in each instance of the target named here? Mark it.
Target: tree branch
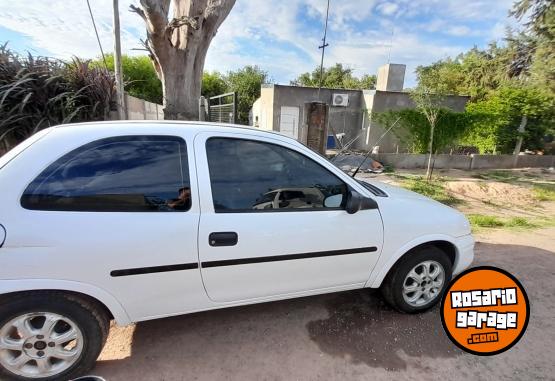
(138, 11)
(155, 14)
(192, 22)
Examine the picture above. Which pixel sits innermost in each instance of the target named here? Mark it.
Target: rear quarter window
(127, 174)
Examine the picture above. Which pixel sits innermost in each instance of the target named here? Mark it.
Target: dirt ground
(343, 336)
(354, 335)
(499, 193)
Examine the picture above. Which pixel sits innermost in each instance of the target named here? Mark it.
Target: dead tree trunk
(178, 47)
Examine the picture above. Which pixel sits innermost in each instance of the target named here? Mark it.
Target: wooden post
(316, 114)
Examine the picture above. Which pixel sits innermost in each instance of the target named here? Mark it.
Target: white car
(134, 221)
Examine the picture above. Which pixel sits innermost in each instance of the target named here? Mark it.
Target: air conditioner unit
(341, 100)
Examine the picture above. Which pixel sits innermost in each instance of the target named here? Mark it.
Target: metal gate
(223, 108)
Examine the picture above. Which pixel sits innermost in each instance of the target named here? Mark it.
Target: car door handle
(223, 239)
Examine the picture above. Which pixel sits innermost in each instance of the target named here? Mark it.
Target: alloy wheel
(40, 344)
(423, 283)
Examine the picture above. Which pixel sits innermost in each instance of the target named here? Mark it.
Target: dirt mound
(492, 192)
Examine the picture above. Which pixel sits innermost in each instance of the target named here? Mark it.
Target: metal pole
(323, 47)
(235, 119)
(117, 64)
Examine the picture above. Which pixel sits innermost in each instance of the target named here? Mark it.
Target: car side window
(254, 176)
(119, 174)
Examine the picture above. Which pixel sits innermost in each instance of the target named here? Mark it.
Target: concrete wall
(421, 160)
(139, 109)
(467, 162)
(508, 161)
(391, 77)
(262, 109)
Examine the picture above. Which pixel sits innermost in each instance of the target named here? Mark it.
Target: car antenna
(374, 146)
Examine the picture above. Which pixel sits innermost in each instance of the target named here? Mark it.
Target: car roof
(195, 126)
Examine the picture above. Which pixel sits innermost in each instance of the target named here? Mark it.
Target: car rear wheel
(418, 280)
(49, 336)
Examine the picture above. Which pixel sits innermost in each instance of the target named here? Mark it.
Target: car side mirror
(354, 202)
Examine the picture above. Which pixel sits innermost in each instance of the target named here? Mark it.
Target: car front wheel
(418, 280)
(48, 336)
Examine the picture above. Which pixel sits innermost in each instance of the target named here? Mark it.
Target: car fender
(117, 310)
(380, 272)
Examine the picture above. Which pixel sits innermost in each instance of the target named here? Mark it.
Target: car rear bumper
(465, 253)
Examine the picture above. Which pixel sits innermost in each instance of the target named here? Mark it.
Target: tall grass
(39, 92)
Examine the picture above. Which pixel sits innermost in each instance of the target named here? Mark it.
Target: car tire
(70, 315)
(397, 288)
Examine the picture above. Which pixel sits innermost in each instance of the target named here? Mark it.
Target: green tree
(246, 82)
(429, 104)
(336, 77)
(139, 76)
(537, 43)
(476, 73)
(213, 84)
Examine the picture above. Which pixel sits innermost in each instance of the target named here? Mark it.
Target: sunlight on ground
(119, 343)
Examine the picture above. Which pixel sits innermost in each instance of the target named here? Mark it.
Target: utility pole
(117, 65)
(323, 47)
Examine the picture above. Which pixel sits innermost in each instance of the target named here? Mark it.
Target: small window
(120, 174)
(248, 175)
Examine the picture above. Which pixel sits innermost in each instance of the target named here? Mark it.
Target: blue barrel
(331, 141)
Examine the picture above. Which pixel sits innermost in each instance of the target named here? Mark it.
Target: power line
(96, 32)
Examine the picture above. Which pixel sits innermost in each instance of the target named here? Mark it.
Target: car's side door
(303, 242)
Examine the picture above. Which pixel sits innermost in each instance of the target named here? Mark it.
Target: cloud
(64, 28)
(281, 37)
(388, 9)
(459, 30)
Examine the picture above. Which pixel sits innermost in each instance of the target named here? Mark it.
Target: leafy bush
(139, 77)
(495, 120)
(414, 129)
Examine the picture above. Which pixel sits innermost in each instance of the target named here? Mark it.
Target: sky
(280, 36)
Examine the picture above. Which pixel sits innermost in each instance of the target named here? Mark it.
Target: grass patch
(519, 222)
(501, 176)
(544, 192)
(434, 189)
(484, 221)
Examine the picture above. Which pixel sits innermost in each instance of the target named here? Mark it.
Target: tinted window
(131, 173)
(248, 175)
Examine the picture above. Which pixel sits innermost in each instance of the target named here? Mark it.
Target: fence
(223, 108)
